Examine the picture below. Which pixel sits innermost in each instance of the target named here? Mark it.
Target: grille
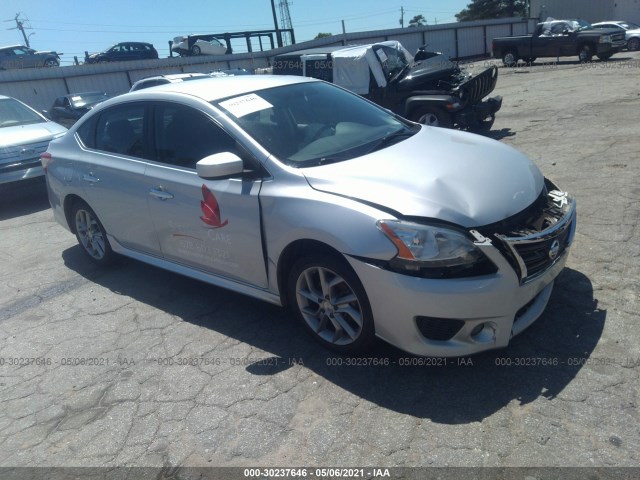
(534, 251)
(480, 86)
(618, 37)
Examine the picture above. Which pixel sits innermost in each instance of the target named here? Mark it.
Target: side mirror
(220, 165)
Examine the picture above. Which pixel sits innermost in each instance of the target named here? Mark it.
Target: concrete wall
(590, 10)
(39, 87)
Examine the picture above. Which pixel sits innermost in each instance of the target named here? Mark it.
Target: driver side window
(183, 136)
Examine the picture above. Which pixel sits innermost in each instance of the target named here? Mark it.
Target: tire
(585, 54)
(432, 116)
(91, 235)
(51, 62)
(328, 298)
(196, 50)
(633, 44)
(605, 56)
(510, 58)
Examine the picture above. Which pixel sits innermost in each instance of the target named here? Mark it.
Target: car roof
(12, 46)
(215, 88)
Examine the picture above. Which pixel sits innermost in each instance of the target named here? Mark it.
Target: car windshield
(83, 99)
(630, 26)
(14, 113)
(393, 60)
(315, 123)
(580, 25)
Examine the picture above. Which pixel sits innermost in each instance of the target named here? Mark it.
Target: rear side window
(121, 130)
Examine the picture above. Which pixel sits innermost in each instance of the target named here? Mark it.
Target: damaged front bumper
(473, 115)
(463, 316)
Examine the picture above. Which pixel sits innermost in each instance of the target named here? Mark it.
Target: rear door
(211, 225)
(112, 172)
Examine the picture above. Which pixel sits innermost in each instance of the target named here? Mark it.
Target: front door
(211, 225)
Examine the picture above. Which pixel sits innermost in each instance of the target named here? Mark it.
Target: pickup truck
(427, 88)
(559, 38)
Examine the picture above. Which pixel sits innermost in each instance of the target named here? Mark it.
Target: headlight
(605, 39)
(438, 250)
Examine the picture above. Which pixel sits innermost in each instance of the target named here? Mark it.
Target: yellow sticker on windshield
(246, 104)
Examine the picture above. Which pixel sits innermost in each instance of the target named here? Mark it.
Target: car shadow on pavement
(23, 198)
(540, 362)
(498, 134)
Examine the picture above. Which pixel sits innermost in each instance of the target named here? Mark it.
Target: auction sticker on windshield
(246, 104)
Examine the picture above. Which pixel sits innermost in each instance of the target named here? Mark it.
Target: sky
(75, 26)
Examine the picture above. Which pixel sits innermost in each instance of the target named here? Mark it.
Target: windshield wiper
(391, 139)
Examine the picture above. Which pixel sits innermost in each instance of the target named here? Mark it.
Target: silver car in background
(24, 135)
(300, 193)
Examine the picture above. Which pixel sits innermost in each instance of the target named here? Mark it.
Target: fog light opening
(484, 333)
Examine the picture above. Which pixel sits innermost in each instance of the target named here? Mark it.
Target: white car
(24, 135)
(164, 79)
(631, 34)
(191, 46)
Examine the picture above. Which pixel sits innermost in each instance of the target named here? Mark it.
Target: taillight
(45, 159)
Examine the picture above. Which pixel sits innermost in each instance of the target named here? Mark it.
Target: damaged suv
(300, 193)
(427, 88)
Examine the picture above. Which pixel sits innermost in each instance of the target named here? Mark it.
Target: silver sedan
(302, 194)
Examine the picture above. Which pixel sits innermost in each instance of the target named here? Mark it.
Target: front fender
(418, 101)
(298, 212)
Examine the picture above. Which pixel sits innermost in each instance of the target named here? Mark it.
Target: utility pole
(20, 26)
(275, 22)
(402, 17)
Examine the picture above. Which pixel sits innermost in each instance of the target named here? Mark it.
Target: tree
(488, 9)
(417, 21)
(322, 35)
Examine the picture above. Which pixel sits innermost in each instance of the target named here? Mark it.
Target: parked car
(67, 109)
(164, 79)
(429, 88)
(124, 51)
(19, 56)
(632, 32)
(198, 45)
(559, 38)
(301, 193)
(24, 135)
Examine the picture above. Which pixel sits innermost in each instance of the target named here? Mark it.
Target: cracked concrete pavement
(134, 366)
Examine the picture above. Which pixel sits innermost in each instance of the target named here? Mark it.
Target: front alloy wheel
(329, 299)
(432, 116)
(91, 234)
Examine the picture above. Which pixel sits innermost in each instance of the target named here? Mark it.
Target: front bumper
(491, 310)
(20, 170)
(473, 115)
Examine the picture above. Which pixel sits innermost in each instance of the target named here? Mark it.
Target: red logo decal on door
(210, 209)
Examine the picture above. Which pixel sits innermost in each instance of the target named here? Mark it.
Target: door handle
(159, 193)
(90, 178)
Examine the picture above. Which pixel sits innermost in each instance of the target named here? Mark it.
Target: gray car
(24, 135)
(300, 193)
(18, 56)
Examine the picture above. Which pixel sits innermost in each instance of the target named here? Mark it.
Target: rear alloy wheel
(432, 116)
(50, 62)
(195, 50)
(91, 234)
(510, 59)
(329, 299)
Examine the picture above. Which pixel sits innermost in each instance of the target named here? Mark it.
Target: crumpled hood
(28, 134)
(448, 175)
